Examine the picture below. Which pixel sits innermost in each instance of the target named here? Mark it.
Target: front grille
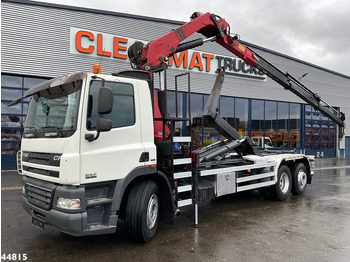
(42, 158)
(41, 171)
(47, 160)
(40, 196)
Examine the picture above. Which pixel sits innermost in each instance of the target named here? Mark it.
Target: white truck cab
(61, 119)
(70, 164)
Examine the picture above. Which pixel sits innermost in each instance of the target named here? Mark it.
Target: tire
(142, 211)
(283, 188)
(299, 179)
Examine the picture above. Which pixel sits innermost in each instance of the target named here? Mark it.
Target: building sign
(209, 63)
(92, 43)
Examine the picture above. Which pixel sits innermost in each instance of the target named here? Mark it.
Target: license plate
(38, 223)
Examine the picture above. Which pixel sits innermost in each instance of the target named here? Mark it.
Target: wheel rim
(302, 179)
(152, 211)
(284, 183)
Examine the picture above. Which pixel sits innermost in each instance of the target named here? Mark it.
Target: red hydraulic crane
(153, 56)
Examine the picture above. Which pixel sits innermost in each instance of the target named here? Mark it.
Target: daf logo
(91, 175)
(57, 158)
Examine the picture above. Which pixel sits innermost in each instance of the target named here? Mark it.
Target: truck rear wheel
(299, 179)
(282, 189)
(142, 211)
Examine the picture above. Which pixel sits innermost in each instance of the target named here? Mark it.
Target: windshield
(53, 112)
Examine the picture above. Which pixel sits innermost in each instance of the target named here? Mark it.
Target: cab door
(117, 152)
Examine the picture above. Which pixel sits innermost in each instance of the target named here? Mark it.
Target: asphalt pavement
(240, 227)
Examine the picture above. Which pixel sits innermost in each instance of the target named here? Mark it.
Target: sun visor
(58, 81)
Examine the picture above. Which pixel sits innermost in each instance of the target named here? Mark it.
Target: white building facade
(41, 41)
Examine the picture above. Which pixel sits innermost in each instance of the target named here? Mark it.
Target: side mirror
(103, 124)
(105, 105)
(105, 100)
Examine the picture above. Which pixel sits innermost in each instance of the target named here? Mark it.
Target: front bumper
(71, 224)
(93, 218)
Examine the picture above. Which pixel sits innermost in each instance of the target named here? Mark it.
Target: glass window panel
(171, 109)
(25, 108)
(196, 114)
(270, 121)
(123, 112)
(27, 99)
(227, 106)
(171, 103)
(196, 105)
(205, 99)
(283, 115)
(316, 115)
(308, 115)
(11, 81)
(30, 82)
(10, 94)
(258, 124)
(241, 114)
(16, 109)
(324, 117)
(295, 114)
(9, 134)
(210, 134)
(294, 130)
(282, 125)
(227, 109)
(9, 148)
(10, 121)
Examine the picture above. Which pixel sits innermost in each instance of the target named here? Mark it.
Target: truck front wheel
(282, 189)
(142, 211)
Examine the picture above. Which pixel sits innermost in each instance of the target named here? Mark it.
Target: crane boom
(299, 89)
(152, 57)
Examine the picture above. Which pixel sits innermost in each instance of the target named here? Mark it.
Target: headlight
(68, 203)
(23, 190)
